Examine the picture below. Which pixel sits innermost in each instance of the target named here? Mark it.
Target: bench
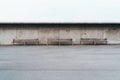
(93, 41)
(59, 41)
(26, 41)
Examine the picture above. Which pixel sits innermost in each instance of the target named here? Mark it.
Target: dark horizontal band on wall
(61, 24)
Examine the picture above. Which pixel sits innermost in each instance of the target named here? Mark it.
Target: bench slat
(26, 41)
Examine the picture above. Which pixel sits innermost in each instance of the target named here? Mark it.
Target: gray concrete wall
(7, 34)
(48, 33)
(26, 33)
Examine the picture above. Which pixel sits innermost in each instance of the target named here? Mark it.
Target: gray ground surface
(60, 63)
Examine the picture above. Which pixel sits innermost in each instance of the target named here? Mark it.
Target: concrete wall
(48, 33)
(7, 34)
(26, 33)
(113, 35)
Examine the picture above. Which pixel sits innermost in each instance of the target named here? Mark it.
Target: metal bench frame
(25, 41)
(93, 41)
(59, 41)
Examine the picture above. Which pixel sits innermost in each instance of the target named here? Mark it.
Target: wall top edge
(32, 23)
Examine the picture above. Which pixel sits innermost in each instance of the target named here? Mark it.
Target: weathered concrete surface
(92, 32)
(74, 33)
(27, 33)
(48, 33)
(60, 63)
(113, 35)
(7, 34)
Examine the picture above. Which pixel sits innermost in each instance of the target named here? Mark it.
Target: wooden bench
(93, 41)
(26, 41)
(59, 41)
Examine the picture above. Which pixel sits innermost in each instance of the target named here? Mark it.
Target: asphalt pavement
(100, 62)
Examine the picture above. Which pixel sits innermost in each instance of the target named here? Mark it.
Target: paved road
(60, 63)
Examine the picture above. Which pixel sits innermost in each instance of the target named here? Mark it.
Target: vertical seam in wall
(16, 32)
(59, 33)
(0, 37)
(38, 33)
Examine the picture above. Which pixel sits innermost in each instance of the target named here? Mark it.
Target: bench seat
(59, 41)
(93, 41)
(26, 41)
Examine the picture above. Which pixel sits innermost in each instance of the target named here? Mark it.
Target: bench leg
(24, 43)
(47, 43)
(59, 43)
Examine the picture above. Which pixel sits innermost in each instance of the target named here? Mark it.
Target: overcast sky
(59, 10)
